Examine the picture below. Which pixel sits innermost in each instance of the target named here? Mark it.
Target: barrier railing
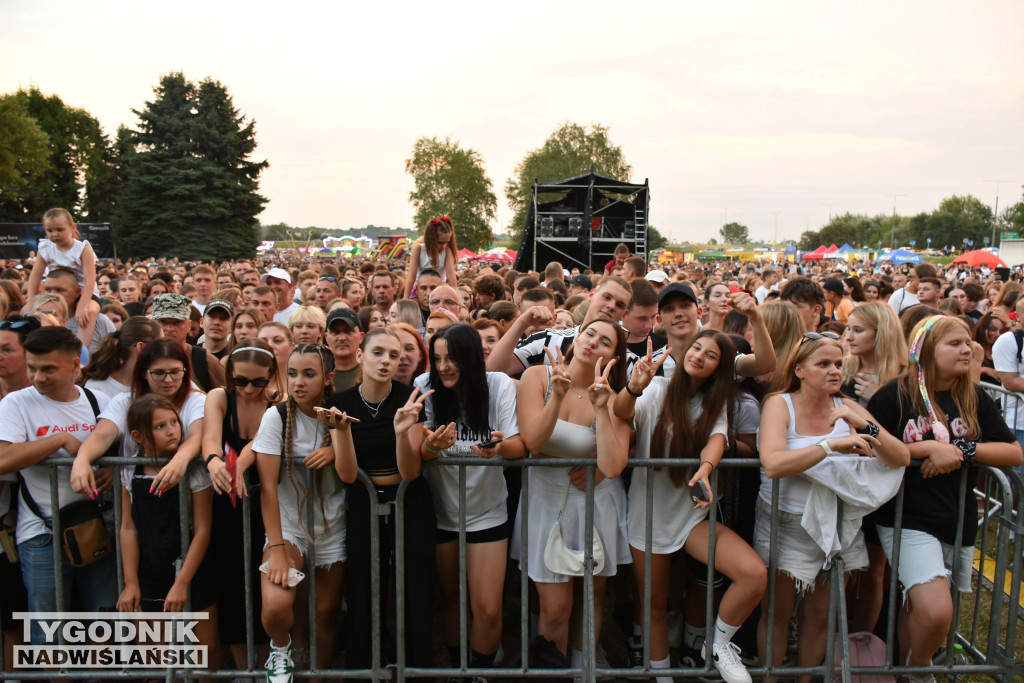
(991, 646)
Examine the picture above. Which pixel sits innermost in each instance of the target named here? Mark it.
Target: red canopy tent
(466, 254)
(980, 257)
(815, 255)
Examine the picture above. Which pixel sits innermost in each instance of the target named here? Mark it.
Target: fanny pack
(84, 535)
(559, 559)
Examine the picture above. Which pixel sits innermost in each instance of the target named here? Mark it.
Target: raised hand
(334, 418)
(408, 415)
(601, 390)
(645, 369)
(864, 386)
(560, 380)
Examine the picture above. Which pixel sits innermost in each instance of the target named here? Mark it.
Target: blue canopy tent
(900, 256)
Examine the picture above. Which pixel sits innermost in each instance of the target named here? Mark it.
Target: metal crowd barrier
(991, 649)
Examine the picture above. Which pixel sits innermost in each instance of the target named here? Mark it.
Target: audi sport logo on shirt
(70, 429)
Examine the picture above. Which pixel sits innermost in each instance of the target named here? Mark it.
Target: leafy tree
(450, 181)
(655, 240)
(78, 175)
(734, 233)
(24, 148)
(190, 188)
(568, 152)
(960, 217)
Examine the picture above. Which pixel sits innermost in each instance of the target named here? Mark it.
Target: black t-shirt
(930, 505)
(374, 437)
(637, 350)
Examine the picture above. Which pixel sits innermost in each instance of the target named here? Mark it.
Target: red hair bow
(435, 221)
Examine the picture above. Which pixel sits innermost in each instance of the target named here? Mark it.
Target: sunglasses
(13, 325)
(329, 279)
(259, 383)
(820, 335)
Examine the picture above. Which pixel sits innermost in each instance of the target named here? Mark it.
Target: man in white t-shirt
(51, 418)
(280, 280)
(1007, 362)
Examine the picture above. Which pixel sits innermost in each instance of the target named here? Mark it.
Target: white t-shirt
(117, 412)
(485, 486)
(29, 416)
(901, 300)
(109, 387)
(307, 436)
(283, 315)
(1004, 359)
(677, 515)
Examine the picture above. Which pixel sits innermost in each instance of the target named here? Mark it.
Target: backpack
(866, 649)
(201, 368)
(1018, 336)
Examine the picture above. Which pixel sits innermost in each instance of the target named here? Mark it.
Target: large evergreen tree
(76, 173)
(190, 189)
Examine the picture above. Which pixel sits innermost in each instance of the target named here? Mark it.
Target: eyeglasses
(447, 303)
(161, 375)
(259, 383)
(817, 335)
(329, 279)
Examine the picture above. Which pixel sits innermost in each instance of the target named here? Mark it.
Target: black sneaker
(690, 658)
(634, 652)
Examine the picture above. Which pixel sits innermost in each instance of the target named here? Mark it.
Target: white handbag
(559, 559)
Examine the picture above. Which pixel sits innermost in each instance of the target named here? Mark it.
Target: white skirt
(547, 488)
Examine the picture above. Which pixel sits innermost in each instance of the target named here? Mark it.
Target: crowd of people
(315, 387)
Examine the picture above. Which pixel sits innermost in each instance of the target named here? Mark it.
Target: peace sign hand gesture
(560, 380)
(408, 415)
(601, 390)
(645, 369)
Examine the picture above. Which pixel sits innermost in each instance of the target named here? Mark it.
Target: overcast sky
(747, 111)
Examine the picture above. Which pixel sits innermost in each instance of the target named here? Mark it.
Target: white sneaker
(279, 664)
(726, 658)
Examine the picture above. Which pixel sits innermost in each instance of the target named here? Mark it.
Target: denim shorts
(798, 555)
(924, 558)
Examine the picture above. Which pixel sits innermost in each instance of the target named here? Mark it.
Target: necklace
(370, 407)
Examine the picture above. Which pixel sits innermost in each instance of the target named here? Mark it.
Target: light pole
(995, 216)
(776, 213)
(892, 245)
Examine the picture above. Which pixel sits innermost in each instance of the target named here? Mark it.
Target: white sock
(575, 659)
(662, 664)
(693, 637)
(723, 631)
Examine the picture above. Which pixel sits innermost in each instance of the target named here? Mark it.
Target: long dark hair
(469, 401)
(116, 347)
(152, 352)
(684, 436)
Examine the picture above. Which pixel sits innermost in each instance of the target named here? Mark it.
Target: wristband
(210, 457)
(632, 393)
(871, 429)
(968, 447)
(707, 462)
(275, 545)
(427, 446)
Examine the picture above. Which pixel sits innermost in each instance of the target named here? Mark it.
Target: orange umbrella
(980, 257)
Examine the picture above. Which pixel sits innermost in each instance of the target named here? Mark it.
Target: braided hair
(291, 409)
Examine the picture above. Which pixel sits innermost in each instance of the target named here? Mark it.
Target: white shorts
(924, 558)
(330, 547)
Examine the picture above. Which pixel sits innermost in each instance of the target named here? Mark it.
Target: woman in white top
(564, 411)
(162, 368)
(800, 427)
(437, 250)
(688, 417)
(110, 369)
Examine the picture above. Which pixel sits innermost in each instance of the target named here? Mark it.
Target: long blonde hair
(963, 392)
(786, 329)
(890, 345)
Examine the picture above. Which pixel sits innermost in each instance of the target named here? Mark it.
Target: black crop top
(374, 438)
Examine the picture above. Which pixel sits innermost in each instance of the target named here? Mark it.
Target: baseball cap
(172, 307)
(279, 273)
(657, 276)
(221, 304)
(673, 290)
(833, 285)
(346, 315)
(581, 281)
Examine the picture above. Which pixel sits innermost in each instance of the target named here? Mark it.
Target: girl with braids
(110, 369)
(293, 455)
(232, 417)
(818, 445)
(469, 407)
(688, 416)
(947, 422)
(383, 440)
(436, 250)
(564, 410)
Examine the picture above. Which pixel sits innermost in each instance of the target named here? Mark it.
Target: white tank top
(426, 264)
(793, 490)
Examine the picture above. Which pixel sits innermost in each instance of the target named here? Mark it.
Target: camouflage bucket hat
(172, 306)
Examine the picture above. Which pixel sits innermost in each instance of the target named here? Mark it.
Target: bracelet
(632, 393)
(968, 447)
(210, 457)
(706, 462)
(276, 545)
(427, 446)
(871, 429)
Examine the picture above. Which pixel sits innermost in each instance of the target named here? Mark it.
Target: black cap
(673, 290)
(345, 314)
(581, 281)
(219, 303)
(833, 285)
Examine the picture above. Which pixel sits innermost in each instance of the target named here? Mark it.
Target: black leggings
(420, 526)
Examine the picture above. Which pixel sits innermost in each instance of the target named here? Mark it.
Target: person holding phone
(688, 417)
(469, 412)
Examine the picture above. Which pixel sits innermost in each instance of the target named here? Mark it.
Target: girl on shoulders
(437, 250)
